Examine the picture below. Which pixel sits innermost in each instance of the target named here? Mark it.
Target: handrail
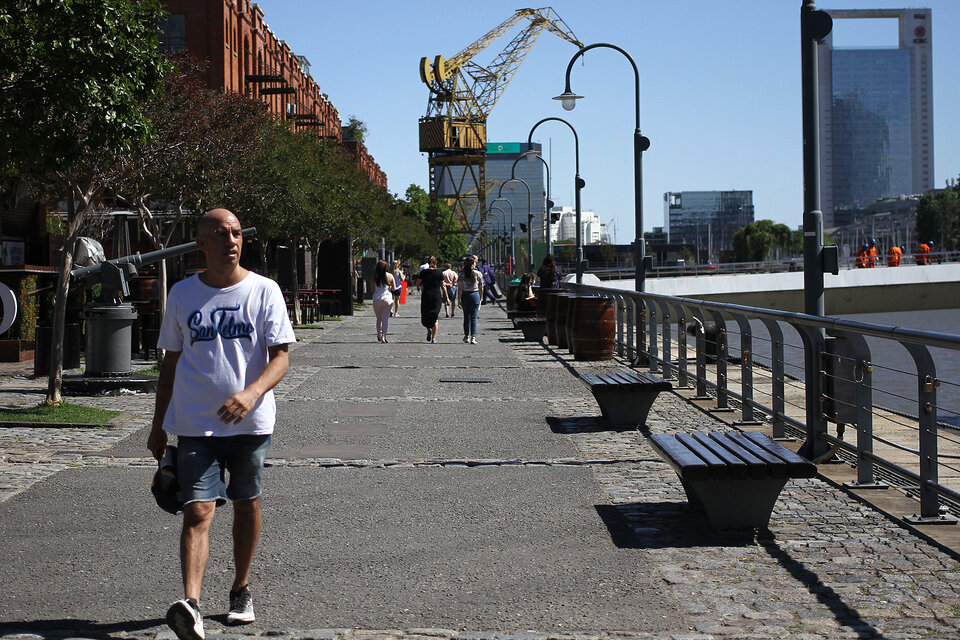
(841, 395)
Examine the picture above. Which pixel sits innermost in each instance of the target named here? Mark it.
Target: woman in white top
(384, 284)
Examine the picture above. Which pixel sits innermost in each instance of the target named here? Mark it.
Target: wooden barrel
(593, 329)
(552, 313)
(512, 296)
(543, 296)
(563, 306)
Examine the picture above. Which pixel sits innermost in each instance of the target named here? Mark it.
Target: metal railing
(615, 271)
(754, 358)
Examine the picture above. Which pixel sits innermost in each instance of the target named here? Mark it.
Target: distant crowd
(868, 254)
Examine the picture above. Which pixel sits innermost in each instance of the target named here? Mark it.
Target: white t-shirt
(223, 336)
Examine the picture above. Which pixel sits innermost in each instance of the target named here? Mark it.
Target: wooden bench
(516, 314)
(533, 328)
(735, 477)
(625, 397)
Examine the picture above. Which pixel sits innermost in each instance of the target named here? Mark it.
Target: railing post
(631, 326)
(682, 373)
(621, 317)
(927, 384)
(701, 356)
(652, 337)
(722, 381)
(777, 379)
(746, 371)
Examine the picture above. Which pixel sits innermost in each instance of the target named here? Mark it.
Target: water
(891, 358)
(894, 374)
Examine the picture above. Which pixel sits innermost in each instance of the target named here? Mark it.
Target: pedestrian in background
(923, 252)
(469, 292)
(872, 254)
(383, 289)
(549, 278)
(488, 279)
(450, 282)
(433, 294)
(526, 299)
(398, 280)
(225, 335)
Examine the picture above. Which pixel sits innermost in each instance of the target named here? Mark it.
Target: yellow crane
(462, 94)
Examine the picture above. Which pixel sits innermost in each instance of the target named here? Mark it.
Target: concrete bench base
(534, 329)
(734, 477)
(625, 398)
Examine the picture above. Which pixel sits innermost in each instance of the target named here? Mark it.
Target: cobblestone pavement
(828, 567)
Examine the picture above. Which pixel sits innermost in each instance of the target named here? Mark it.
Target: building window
(173, 32)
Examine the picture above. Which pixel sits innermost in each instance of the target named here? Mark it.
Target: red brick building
(245, 56)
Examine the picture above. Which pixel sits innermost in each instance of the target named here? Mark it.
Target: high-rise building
(876, 116)
(501, 157)
(706, 220)
(592, 231)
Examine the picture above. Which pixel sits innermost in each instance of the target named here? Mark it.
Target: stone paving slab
(828, 567)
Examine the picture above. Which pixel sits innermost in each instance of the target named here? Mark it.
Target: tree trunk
(55, 379)
(295, 281)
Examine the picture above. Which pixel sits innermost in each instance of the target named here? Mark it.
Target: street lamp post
(529, 212)
(512, 254)
(548, 203)
(490, 257)
(578, 184)
(640, 144)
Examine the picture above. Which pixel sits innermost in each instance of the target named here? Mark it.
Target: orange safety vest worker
(894, 255)
(861, 260)
(923, 253)
(872, 256)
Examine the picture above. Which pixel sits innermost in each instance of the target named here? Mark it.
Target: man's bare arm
(239, 405)
(157, 441)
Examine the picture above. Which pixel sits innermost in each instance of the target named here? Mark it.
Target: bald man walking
(225, 332)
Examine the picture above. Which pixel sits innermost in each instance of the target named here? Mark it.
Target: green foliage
(73, 76)
(28, 308)
(355, 129)
(64, 414)
(754, 242)
(938, 218)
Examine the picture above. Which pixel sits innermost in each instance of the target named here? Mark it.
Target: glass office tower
(876, 117)
(706, 220)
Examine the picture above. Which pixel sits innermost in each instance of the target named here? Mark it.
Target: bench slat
(716, 465)
(799, 466)
(737, 467)
(757, 467)
(590, 379)
(682, 460)
(776, 467)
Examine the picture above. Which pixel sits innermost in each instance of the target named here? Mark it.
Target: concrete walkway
(448, 490)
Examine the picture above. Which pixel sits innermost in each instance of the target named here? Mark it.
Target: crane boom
(462, 95)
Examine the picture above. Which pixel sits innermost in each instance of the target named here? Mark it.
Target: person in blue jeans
(488, 280)
(470, 286)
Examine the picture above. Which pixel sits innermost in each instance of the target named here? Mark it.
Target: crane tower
(462, 94)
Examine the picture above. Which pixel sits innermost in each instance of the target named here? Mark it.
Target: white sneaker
(466, 339)
(241, 607)
(184, 618)
(473, 339)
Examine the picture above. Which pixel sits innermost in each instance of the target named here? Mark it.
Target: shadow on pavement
(77, 628)
(661, 525)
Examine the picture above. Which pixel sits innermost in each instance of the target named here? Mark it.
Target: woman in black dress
(432, 296)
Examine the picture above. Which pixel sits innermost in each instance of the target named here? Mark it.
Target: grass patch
(65, 413)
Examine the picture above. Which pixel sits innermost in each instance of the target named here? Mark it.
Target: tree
(938, 217)
(355, 129)
(200, 135)
(754, 242)
(73, 78)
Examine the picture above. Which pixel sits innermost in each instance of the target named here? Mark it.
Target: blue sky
(720, 90)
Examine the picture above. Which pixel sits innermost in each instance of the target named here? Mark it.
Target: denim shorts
(203, 462)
